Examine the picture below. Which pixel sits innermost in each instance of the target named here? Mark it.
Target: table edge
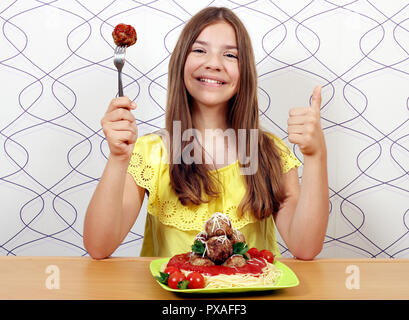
(284, 260)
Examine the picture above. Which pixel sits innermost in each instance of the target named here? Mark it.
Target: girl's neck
(219, 152)
(213, 117)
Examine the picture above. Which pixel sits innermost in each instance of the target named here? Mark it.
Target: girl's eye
(231, 55)
(198, 50)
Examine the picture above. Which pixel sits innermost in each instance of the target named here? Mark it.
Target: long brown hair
(192, 182)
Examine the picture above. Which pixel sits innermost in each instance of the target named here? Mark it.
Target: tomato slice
(253, 252)
(268, 255)
(196, 280)
(175, 278)
(171, 269)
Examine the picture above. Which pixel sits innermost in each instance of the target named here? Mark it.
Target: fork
(119, 61)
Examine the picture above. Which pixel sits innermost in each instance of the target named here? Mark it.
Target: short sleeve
(288, 159)
(145, 162)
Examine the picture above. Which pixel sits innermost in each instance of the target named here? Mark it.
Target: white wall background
(57, 78)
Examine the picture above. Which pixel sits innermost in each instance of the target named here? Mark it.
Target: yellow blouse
(170, 226)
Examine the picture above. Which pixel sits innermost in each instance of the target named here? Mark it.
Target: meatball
(202, 237)
(219, 248)
(236, 260)
(198, 260)
(124, 35)
(218, 225)
(237, 236)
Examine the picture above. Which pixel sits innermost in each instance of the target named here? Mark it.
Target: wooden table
(130, 278)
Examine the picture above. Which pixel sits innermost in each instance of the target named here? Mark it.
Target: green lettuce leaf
(240, 248)
(198, 247)
(163, 278)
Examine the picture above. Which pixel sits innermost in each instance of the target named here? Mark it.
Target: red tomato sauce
(181, 261)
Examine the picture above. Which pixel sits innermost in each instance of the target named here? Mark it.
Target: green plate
(287, 279)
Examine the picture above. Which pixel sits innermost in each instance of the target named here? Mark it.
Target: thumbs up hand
(304, 126)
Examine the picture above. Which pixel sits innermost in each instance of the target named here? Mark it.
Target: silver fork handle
(120, 88)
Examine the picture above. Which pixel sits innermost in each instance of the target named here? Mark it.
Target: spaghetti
(256, 273)
(268, 277)
(219, 254)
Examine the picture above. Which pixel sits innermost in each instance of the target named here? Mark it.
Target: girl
(212, 84)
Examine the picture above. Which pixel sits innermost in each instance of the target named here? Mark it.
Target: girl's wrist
(319, 156)
(119, 162)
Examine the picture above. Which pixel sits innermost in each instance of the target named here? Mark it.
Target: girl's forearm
(102, 223)
(310, 220)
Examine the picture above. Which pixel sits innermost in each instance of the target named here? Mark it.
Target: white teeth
(210, 81)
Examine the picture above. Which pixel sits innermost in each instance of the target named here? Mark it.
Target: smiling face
(211, 72)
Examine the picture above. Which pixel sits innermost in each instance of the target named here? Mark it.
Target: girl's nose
(214, 63)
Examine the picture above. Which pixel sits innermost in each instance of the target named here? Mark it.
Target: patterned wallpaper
(57, 78)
